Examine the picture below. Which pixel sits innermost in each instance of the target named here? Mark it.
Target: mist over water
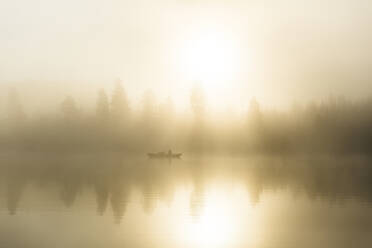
(185, 124)
(111, 200)
(106, 174)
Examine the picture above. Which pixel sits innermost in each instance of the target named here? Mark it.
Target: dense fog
(113, 123)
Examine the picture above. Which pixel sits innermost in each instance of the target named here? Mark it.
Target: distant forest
(335, 125)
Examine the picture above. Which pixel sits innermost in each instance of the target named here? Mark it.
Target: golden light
(216, 227)
(208, 56)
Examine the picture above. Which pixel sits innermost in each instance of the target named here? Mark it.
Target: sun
(208, 56)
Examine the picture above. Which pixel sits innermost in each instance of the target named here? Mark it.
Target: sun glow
(209, 57)
(212, 230)
(216, 227)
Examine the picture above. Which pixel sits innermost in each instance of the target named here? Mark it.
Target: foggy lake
(186, 124)
(110, 200)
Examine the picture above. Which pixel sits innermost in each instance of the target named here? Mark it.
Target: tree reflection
(113, 179)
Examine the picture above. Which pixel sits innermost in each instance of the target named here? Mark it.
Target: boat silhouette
(168, 154)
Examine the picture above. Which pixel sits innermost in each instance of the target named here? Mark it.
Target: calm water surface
(84, 200)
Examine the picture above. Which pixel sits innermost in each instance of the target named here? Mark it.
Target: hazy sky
(276, 50)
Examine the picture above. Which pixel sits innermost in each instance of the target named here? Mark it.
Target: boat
(168, 155)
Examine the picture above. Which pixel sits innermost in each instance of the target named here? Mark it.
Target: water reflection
(200, 202)
(112, 179)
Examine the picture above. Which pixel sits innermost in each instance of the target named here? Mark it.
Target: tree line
(334, 125)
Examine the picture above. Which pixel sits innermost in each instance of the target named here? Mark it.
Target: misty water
(110, 200)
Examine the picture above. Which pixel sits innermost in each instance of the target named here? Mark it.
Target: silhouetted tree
(254, 113)
(102, 107)
(119, 103)
(198, 133)
(254, 108)
(69, 109)
(254, 141)
(16, 113)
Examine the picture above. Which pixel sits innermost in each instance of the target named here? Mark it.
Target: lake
(111, 201)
